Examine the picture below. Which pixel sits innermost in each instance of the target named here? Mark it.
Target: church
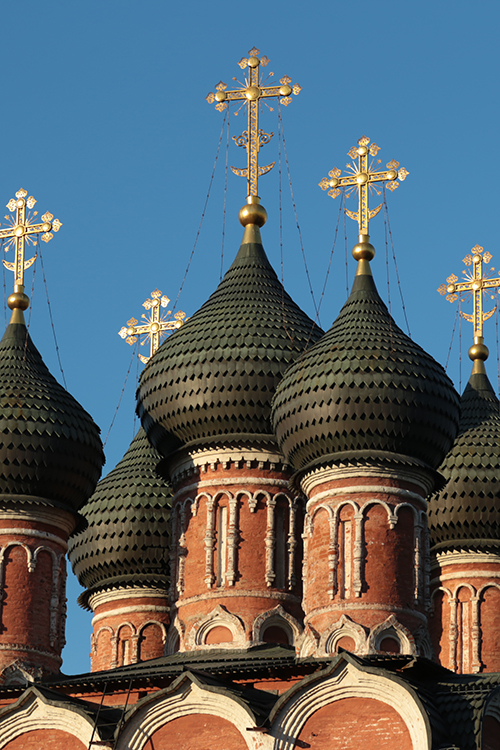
(301, 546)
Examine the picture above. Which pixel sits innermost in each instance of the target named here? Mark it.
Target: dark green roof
(50, 449)
(454, 705)
(466, 513)
(365, 388)
(213, 379)
(127, 534)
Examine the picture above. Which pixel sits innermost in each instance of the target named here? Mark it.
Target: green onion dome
(50, 450)
(125, 539)
(466, 513)
(212, 381)
(365, 392)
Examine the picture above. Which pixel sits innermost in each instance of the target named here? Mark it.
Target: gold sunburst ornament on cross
(252, 93)
(363, 178)
(156, 325)
(24, 230)
(476, 284)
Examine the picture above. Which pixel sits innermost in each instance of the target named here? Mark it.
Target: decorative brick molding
(357, 547)
(197, 634)
(279, 617)
(32, 711)
(391, 628)
(187, 697)
(343, 627)
(348, 681)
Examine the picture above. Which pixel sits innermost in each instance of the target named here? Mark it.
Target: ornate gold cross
(476, 285)
(22, 230)
(251, 93)
(363, 178)
(154, 330)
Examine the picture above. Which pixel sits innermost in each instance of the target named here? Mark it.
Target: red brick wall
(197, 732)
(25, 616)
(354, 723)
(490, 630)
(250, 549)
(139, 635)
(46, 739)
(387, 568)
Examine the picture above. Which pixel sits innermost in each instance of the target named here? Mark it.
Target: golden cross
(362, 178)
(251, 92)
(475, 285)
(22, 230)
(156, 325)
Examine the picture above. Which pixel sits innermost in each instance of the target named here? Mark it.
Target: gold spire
(363, 178)
(475, 284)
(156, 325)
(23, 230)
(251, 93)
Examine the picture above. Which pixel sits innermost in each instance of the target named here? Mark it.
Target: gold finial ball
(285, 90)
(476, 259)
(362, 150)
(253, 62)
(253, 213)
(220, 96)
(362, 178)
(363, 251)
(479, 351)
(252, 93)
(392, 174)
(18, 301)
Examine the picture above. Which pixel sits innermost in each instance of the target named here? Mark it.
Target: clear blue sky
(105, 122)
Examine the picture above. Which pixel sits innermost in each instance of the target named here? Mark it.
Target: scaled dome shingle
(365, 388)
(466, 513)
(213, 380)
(50, 449)
(127, 533)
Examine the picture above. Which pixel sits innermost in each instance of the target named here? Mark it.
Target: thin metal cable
(225, 202)
(346, 257)
(498, 355)
(295, 212)
(202, 214)
(460, 345)
(39, 251)
(331, 254)
(134, 430)
(452, 337)
(387, 266)
(280, 212)
(134, 354)
(386, 214)
(4, 286)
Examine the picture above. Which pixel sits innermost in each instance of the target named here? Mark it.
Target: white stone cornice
(455, 557)
(140, 609)
(61, 519)
(232, 593)
(45, 535)
(229, 481)
(114, 595)
(347, 607)
(320, 475)
(367, 489)
(183, 463)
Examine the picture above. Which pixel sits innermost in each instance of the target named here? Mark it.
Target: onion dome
(365, 392)
(50, 450)
(466, 513)
(212, 381)
(126, 537)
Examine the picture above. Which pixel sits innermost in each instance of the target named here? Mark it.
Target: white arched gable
(348, 681)
(185, 698)
(31, 712)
